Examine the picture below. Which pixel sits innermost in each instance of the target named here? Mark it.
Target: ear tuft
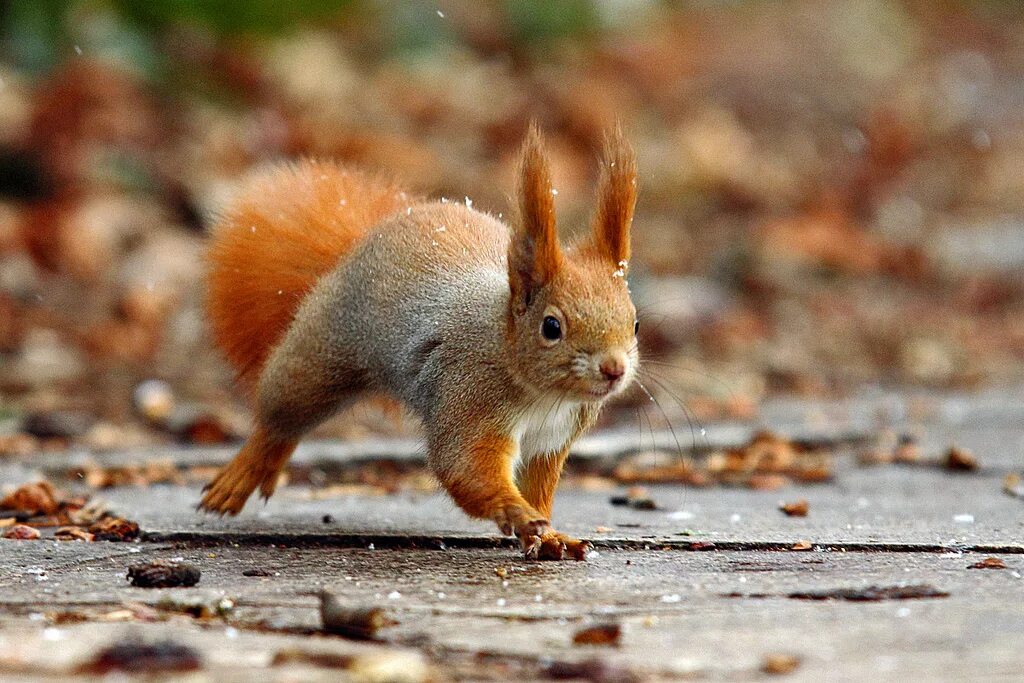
(534, 254)
(616, 197)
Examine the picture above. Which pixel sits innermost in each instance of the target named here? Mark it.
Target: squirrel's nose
(613, 366)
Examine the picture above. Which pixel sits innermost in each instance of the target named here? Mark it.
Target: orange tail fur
(283, 231)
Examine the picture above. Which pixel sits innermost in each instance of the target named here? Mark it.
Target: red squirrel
(327, 283)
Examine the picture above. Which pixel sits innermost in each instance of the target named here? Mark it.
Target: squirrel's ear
(616, 198)
(534, 254)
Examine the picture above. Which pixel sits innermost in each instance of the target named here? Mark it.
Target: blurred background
(831, 193)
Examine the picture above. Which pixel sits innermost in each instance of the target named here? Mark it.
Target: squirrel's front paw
(555, 546)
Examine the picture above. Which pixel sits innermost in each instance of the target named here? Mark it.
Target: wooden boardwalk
(708, 586)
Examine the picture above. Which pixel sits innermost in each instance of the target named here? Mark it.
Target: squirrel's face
(571, 319)
(579, 333)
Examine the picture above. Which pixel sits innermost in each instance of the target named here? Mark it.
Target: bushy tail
(285, 229)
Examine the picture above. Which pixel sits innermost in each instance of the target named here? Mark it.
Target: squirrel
(326, 283)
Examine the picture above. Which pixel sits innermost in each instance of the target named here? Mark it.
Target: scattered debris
(596, 670)
(398, 666)
(797, 508)
(637, 498)
(37, 498)
(873, 593)
(21, 532)
(153, 400)
(1012, 485)
(57, 424)
(767, 462)
(599, 634)
(960, 460)
(163, 574)
(72, 533)
(779, 664)
(257, 571)
(197, 608)
(114, 529)
(138, 656)
(40, 504)
(357, 623)
(988, 563)
(321, 660)
(907, 450)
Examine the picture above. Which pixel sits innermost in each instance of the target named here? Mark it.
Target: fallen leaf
(599, 634)
(797, 508)
(960, 460)
(1012, 485)
(72, 533)
(37, 498)
(988, 563)
(21, 532)
(777, 664)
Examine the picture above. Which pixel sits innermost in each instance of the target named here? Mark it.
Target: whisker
(679, 448)
(690, 418)
(707, 375)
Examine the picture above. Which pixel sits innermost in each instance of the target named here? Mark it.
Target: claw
(532, 547)
(552, 549)
(579, 551)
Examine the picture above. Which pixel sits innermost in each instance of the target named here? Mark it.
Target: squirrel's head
(571, 319)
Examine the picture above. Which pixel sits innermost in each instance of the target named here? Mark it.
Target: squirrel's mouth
(604, 389)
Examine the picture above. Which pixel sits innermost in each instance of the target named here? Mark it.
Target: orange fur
(539, 479)
(535, 254)
(285, 230)
(482, 483)
(616, 198)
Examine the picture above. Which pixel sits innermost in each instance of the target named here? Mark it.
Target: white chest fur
(545, 427)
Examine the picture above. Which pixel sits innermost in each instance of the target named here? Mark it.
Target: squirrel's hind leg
(258, 464)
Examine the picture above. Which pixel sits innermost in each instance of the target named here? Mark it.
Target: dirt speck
(162, 574)
(873, 593)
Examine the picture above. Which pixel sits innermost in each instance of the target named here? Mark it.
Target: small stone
(153, 400)
(57, 424)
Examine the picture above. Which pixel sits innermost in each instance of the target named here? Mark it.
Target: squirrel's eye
(636, 327)
(551, 328)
